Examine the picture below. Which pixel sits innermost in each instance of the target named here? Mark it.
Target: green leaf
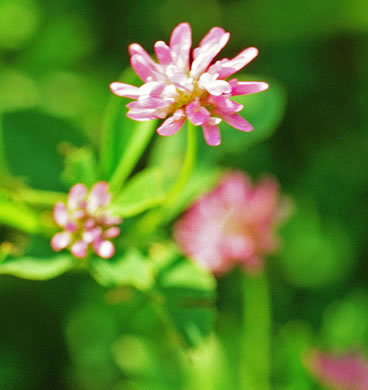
(142, 192)
(121, 136)
(131, 269)
(80, 167)
(31, 142)
(188, 299)
(37, 268)
(345, 323)
(315, 253)
(39, 262)
(18, 216)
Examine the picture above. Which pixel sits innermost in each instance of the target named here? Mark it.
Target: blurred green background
(57, 58)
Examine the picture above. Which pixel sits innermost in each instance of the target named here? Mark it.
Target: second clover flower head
(86, 222)
(233, 224)
(179, 87)
(341, 372)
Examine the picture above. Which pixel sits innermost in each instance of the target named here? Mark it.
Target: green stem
(129, 159)
(3, 165)
(154, 218)
(187, 167)
(255, 363)
(36, 197)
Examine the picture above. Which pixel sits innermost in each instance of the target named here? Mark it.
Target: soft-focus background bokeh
(58, 57)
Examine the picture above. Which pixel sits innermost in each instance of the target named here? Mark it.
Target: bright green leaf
(80, 167)
(18, 216)
(123, 138)
(188, 298)
(37, 268)
(142, 192)
(131, 269)
(31, 143)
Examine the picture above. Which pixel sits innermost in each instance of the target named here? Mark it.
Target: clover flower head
(233, 224)
(340, 372)
(86, 222)
(180, 87)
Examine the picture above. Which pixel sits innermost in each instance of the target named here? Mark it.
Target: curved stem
(187, 167)
(255, 363)
(154, 218)
(129, 159)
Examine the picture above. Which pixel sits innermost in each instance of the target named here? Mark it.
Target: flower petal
(196, 113)
(226, 67)
(125, 90)
(247, 87)
(112, 232)
(144, 69)
(163, 53)
(77, 196)
(208, 49)
(211, 134)
(213, 86)
(180, 44)
(236, 121)
(60, 241)
(79, 249)
(61, 215)
(104, 249)
(173, 124)
(99, 196)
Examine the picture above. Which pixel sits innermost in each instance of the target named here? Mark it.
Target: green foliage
(315, 253)
(128, 269)
(30, 136)
(38, 262)
(143, 191)
(188, 293)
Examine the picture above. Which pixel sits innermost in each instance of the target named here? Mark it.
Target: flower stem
(129, 159)
(187, 167)
(154, 218)
(255, 362)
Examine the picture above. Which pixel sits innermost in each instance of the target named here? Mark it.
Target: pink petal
(137, 49)
(213, 86)
(173, 124)
(61, 215)
(208, 49)
(79, 249)
(211, 134)
(236, 121)
(196, 113)
(92, 235)
(104, 249)
(99, 196)
(112, 232)
(125, 90)
(224, 104)
(143, 68)
(142, 114)
(225, 68)
(180, 44)
(247, 87)
(60, 241)
(163, 53)
(77, 196)
(109, 220)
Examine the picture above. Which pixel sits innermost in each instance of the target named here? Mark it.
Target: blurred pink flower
(344, 372)
(86, 222)
(179, 88)
(232, 225)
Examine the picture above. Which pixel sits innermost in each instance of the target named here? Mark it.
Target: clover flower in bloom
(86, 222)
(344, 372)
(232, 225)
(179, 88)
